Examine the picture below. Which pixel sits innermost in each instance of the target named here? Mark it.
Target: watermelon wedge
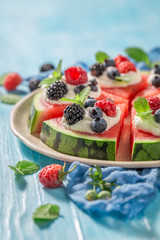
(144, 146)
(96, 146)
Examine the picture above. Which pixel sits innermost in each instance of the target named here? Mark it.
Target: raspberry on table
(120, 59)
(107, 106)
(76, 75)
(126, 66)
(11, 81)
(154, 103)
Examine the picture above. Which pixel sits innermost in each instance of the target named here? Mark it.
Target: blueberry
(109, 63)
(46, 67)
(79, 88)
(99, 125)
(112, 73)
(156, 81)
(95, 112)
(89, 102)
(93, 84)
(157, 69)
(157, 116)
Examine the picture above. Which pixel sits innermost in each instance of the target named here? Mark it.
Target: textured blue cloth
(137, 189)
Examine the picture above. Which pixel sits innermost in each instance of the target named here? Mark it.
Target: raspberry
(76, 75)
(11, 81)
(53, 175)
(154, 103)
(120, 59)
(126, 66)
(107, 106)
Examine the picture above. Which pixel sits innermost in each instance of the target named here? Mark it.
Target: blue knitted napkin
(137, 188)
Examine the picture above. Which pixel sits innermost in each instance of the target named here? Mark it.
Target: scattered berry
(95, 112)
(107, 106)
(89, 102)
(97, 69)
(157, 116)
(73, 113)
(156, 81)
(112, 72)
(91, 195)
(79, 88)
(110, 63)
(126, 66)
(76, 75)
(11, 81)
(53, 175)
(33, 84)
(157, 69)
(46, 67)
(93, 85)
(104, 195)
(120, 59)
(57, 90)
(99, 125)
(154, 103)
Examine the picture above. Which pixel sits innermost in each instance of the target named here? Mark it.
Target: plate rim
(64, 157)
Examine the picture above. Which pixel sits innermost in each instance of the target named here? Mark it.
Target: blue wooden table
(34, 32)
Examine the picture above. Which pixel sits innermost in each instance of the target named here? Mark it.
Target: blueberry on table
(33, 84)
(112, 73)
(99, 125)
(157, 116)
(95, 112)
(46, 67)
(156, 81)
(89, 102)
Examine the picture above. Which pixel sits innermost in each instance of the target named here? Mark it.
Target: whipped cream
(84, 124)
(107, 82)
(70, 94)
(147, 125)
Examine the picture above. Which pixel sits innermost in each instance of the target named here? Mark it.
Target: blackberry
(112, 73)
(109, 63)
(93, 84)
(97, 69)
(46, 67)
(33, 84)
(57, 90)
(79, 88)
(73, 113)
(157, 69)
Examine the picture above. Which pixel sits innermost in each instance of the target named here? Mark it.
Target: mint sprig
(101, 56)
(25, 167)
(139, 55)
(79, 98)
(56, 75)
(46, 212)
(10, 98)
(123, 79)
(142, 107)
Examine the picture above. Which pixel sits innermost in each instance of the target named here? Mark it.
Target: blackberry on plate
(89, 102)
(93, 85)
(112, 73)
(157, 116)
(97, 69)
(79, 88)
(57, 90)
(73, 113)
(109, 63)
(99, 125)
(157, 69)
(156, 81)
(46, 67)
(95, 112)
(33, 84)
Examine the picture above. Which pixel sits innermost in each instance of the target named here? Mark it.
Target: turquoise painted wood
(31, 33)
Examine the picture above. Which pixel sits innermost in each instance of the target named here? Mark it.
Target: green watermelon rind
(76, 144)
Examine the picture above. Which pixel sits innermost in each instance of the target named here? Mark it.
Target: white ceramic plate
(18, 121)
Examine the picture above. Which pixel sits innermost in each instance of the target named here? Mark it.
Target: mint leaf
(101, 56)
(138, 54)
(25, 167)
(84, 93)
(46, 212)
(10, 98)
(141, 105)
(48, 81)
(2, 77)
(144, 114)
(57, 73)
(123, 79)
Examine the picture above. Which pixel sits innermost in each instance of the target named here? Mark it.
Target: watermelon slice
(42, 111)
(144, 146)
(95, 146)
